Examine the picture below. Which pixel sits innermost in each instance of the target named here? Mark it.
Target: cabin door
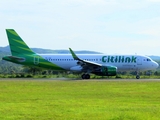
(139, 61)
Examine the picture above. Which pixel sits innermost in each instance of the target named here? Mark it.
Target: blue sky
(107, 26)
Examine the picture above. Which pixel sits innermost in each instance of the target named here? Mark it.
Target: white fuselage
(122, 62)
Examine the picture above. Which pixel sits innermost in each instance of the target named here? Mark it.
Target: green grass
(79, 100)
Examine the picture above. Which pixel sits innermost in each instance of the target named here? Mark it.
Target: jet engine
(106, 71)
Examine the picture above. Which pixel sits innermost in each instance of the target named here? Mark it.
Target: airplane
(99, 64)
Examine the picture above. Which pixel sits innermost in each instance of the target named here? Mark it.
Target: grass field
(79, 99)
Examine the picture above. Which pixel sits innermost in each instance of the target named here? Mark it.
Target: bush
(29, 76)
(117, 76)
(18, 76)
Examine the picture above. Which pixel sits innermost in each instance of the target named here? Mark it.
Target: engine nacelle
(106, 71)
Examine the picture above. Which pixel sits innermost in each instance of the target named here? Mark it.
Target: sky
(107, 26)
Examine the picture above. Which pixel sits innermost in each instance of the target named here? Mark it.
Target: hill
(6, 51)
(49, 51)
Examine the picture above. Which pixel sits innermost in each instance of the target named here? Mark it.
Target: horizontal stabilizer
(13, 58)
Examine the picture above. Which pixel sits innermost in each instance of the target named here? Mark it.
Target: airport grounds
(66, 98)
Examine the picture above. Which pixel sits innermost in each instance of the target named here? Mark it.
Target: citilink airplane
(99, 64)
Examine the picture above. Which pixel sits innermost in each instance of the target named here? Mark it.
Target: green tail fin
(17, 45)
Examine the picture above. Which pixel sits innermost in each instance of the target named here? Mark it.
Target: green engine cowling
(106, 71)
(109, 70)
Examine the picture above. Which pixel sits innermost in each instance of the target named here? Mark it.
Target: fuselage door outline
(139, 61)
(36, 59)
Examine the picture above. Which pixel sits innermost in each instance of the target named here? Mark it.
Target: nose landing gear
(137, 75)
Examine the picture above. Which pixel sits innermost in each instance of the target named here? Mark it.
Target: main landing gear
(137, 75)
(85, 76)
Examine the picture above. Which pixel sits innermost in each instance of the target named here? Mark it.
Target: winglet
(73, 54)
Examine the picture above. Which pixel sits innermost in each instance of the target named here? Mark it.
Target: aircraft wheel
(137, 76)
(87, 76)
(83, 76)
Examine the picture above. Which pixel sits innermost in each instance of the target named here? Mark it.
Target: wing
(86, 65)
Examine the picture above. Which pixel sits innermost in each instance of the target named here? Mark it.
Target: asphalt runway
(68, 79)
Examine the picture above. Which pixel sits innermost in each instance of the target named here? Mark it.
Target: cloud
(153, 0)
(109, 26)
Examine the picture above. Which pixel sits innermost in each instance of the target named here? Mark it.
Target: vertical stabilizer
(17, 45)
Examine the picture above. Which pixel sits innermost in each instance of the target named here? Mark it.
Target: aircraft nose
(156, 65)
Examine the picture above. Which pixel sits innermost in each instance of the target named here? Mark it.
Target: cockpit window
(148, 59)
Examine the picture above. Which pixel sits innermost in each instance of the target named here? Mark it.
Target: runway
(68, 79)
